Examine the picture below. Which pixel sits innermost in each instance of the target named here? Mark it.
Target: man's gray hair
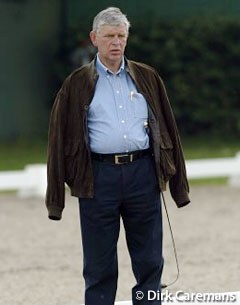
(110, 16)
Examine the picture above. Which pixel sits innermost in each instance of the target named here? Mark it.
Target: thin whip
(173, 244)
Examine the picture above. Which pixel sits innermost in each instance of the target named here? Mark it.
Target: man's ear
(93, 38)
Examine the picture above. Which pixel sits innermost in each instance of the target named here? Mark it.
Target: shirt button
(117, 91)
(120, 106)
(125, 136)
(123, 121)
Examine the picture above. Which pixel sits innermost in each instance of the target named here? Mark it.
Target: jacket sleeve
(55, 195)
(178, 183)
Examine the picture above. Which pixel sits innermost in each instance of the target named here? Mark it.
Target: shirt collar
(102, 68)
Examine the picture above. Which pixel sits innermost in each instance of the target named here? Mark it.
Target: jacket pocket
(70, 161)
(167, 163)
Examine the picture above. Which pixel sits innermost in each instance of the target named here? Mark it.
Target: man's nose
(116, 41)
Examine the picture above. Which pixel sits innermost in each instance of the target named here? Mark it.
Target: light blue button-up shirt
(118, 114)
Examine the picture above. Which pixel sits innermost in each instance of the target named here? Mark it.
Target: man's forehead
(121, 28)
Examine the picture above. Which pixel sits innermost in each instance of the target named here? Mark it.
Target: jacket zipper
(86, 108)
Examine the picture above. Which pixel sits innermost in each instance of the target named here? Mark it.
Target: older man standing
(114, 141)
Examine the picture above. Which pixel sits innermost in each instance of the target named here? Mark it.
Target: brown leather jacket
(69, 159)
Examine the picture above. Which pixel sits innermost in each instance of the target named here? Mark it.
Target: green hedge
(199, 61)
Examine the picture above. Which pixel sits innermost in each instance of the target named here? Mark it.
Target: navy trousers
(129, 191)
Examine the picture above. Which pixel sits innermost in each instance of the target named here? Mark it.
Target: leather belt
(121, 158)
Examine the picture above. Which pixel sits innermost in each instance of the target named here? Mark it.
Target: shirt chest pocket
(139, 105)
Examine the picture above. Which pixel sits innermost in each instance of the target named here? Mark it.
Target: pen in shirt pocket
(132, 93)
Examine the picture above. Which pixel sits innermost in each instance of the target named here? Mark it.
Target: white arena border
(187, 302)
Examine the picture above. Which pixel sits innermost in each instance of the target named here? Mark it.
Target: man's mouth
(115, 51)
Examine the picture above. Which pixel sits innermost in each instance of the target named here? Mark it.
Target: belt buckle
(116, 158)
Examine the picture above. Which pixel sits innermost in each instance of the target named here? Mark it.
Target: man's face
(111, 42)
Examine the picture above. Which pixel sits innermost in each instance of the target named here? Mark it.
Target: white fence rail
(219, 167)
(32, 181)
